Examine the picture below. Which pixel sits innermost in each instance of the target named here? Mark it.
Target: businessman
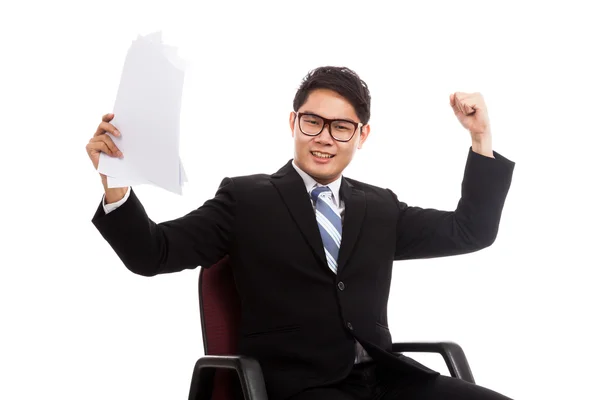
(312, 250)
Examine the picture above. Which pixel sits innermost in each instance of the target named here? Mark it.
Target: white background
(76, 324)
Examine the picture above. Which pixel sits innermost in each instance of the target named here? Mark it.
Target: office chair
(214, 375)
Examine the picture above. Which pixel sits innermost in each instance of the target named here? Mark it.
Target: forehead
(329, 104)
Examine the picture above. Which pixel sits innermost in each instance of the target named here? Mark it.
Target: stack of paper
(147, 111)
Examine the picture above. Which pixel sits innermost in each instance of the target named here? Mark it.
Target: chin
(322, 173)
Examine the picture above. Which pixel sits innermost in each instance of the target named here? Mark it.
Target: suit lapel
(354, 212)
(294, 194)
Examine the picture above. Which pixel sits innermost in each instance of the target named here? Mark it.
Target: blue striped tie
(330, 224)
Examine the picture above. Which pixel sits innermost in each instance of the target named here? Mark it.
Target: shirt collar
(310, 183)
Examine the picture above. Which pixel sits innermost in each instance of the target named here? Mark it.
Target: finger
(469, 104)
(466, 103)
(458, 101)
(459, 105)
(111, 145)
(108, 117)
(456, 109)
(459, 96)
(106, 127)
(100, 147)
(455, 104)
(474, 100)
(113, 149)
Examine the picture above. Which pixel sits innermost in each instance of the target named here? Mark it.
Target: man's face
(327, 104)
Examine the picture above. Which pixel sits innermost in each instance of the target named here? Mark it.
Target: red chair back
(220, 318)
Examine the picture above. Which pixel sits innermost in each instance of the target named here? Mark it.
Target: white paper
(138, 180)
(147, 113)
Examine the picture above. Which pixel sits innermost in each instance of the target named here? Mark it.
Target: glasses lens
(311, 124)
(342, 130)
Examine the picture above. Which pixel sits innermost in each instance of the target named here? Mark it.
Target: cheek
(301, 141)
(347, 152)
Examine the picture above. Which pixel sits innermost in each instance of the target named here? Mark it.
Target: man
(312, 251)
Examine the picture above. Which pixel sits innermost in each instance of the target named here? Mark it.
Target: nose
(325, 137)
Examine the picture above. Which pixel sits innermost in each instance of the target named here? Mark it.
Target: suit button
(349, 325)
(341, 286)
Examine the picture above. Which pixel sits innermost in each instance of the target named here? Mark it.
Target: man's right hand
(102, 142)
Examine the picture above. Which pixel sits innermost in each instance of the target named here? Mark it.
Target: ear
(292, 121)
(364, 133)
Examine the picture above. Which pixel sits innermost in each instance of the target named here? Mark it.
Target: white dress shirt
(310, 183)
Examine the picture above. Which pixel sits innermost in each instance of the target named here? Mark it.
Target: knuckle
(110, 143)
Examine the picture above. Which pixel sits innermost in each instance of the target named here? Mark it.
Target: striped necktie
(330, 224)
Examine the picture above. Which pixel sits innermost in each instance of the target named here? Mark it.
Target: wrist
(482, 144)
(112, 195)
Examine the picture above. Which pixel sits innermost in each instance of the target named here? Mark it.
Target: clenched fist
(472, 113)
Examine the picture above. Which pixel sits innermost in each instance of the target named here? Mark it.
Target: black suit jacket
(298, 319)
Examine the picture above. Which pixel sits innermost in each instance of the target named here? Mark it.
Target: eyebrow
(335, 119)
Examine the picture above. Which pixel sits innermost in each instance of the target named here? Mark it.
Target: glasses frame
(327, 122)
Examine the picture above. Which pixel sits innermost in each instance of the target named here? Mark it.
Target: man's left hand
(471, 111)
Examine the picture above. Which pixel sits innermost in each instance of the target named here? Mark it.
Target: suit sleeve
(428, 233)
(200, 238)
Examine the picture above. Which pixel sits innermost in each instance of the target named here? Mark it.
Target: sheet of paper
(147, 113)
(138, 180)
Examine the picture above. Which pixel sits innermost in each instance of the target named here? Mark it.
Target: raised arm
(427, 233)
(200, 238)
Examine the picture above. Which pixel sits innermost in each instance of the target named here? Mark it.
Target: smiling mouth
(321, 155)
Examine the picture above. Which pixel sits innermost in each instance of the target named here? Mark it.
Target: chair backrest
(220, 319)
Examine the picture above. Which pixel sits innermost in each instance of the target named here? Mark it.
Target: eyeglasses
(340, 129)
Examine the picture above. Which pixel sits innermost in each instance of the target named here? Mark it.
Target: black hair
(342, 80)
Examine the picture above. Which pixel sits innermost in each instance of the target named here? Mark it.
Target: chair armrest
(248, 371)
(453, 355)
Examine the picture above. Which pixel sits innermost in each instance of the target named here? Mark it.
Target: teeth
(321, 155)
